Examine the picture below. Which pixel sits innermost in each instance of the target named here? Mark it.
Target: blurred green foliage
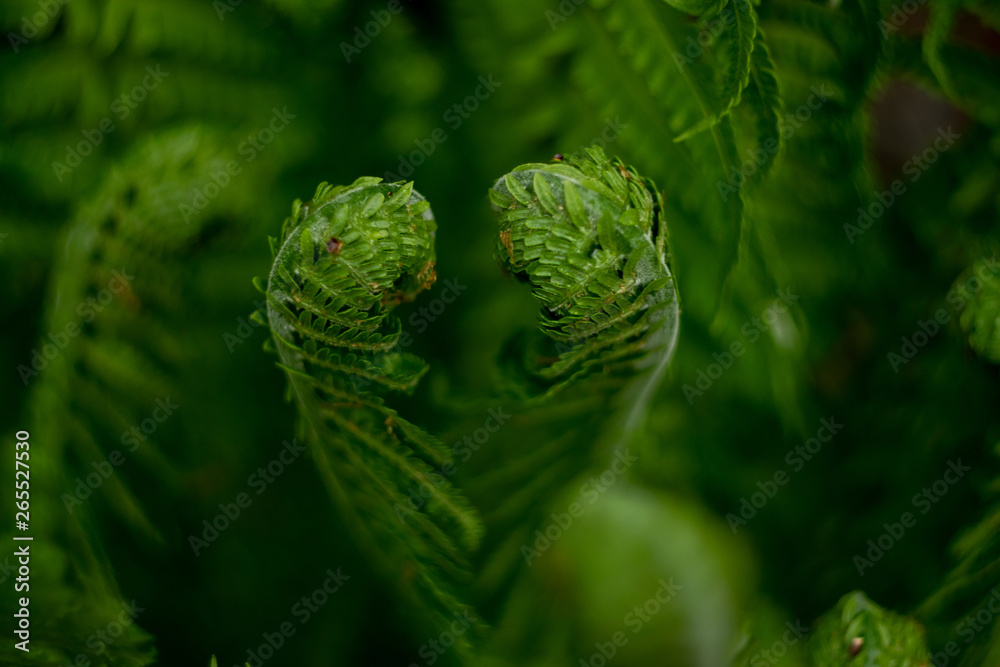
(847, 276)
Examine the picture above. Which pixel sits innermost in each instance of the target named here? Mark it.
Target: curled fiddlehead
(589, 236)
(342, 262)
(980, 321)
(859, 631)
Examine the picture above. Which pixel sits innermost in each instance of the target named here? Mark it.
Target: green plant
(513, 471)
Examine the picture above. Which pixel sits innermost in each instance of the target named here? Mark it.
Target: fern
(981, 319)
(587, 234)
(342, 262)
(116, 292)
(742, 41)
(765, 129)
(764, 98)
(858, 630)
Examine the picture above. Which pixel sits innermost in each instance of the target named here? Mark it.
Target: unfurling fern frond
(981, 318)
(588, 235)
(858, 631)
(342, 262)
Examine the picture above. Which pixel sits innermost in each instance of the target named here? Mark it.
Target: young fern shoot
(589, 236)
(342, 262)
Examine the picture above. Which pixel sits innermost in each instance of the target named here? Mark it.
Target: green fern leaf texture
(697, 7)
(587, 234)
(981, 318)
(858, 631)
(342, 262)
(763, 98)
(116, 290)
(741, 42)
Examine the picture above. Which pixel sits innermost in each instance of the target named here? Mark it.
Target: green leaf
(980, 320)
(942, 17)
(306, 243)
(763, 97)
(603, 247)
(337, 340)
(859, 631)
(741, 45)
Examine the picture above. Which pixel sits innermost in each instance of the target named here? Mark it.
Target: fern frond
(980, 320)
(858, 631)
(636, 63)
(587, 234)
(118, 287)
(763, 97)
(342, 262)
(741, 43)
